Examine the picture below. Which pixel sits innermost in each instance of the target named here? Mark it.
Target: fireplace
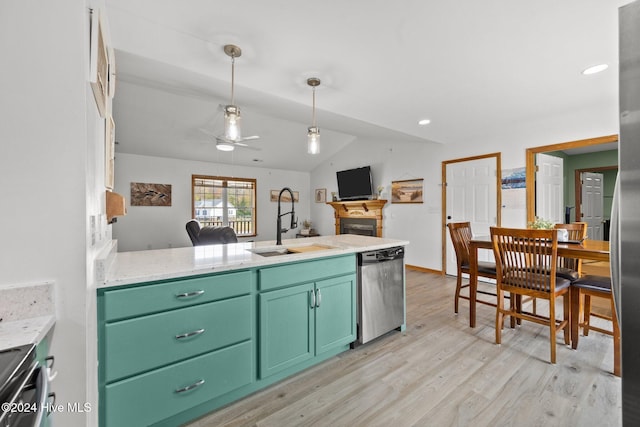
(361, 226)
(363, 217)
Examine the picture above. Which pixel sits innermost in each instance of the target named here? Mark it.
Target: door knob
(448, 216)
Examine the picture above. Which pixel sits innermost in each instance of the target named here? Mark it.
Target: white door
(550, 188)
(471, 196)
(592, 204)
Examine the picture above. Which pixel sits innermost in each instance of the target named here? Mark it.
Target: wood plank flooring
(440, 372)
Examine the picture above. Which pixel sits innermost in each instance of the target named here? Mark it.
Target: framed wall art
(407, 191)
(321, 195)
(286, 197)
(99, 63)
(143, 194)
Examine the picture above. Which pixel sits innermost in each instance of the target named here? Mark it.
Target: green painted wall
(585, 161)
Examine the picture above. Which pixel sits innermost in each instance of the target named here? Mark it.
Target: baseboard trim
(423, 269)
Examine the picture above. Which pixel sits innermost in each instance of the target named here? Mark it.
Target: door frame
(578, 184)
(531, 165)
(498, 157)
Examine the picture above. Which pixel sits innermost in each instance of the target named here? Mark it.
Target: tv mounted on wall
(355, 184)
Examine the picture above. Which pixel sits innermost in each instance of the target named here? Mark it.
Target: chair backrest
(576, 231)
(526, 258)
(460, 237)
(209, 235)
(193, 228)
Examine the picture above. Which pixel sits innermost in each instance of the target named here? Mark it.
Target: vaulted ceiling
(471, 67)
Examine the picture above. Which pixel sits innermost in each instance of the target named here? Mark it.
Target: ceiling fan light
(232, 120)
(223, 146)
(313, 140)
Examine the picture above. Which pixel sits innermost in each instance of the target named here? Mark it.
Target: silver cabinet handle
(189, 334)
(318, 299)
(190, 387)
(313, 299)
(190, 294)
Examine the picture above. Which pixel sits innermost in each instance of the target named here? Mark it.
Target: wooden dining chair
(587, 287)
(460, 237)
(526, 262)
(571, 268)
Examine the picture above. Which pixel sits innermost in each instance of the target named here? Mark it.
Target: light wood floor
(440, 372)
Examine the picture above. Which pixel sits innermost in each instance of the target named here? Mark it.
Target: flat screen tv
(355, 184)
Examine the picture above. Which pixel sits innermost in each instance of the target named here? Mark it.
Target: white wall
(51, 180)
(398, 160)
(391, 161)
(156, 227)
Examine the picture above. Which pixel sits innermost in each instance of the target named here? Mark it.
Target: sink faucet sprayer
(294, 222)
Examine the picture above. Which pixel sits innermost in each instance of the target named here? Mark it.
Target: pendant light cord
(313, 118)
(233, 73)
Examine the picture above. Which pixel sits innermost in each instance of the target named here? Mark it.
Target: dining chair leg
(499, 316)
(575, 316)
(587, 315)
(552, 330)
(566, 308)
(515, 304)
(457, 295)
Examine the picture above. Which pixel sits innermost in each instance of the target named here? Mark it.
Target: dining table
(596, 250)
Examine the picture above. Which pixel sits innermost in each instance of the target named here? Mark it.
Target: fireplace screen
(361, 226)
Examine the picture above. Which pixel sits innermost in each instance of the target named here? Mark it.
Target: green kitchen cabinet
(301, 322)
(170, 346)
(173, 350)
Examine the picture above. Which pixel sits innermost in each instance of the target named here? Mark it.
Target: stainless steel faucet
(294, 222)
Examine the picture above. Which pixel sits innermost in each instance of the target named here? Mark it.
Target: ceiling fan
(226, 144)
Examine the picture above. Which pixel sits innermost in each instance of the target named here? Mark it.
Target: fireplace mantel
(359, 209)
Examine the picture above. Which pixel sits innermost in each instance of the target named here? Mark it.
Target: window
(222, 201)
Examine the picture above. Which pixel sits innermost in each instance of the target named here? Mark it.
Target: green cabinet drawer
(149, 398)
(152, 298)
(307, 271)
(145, 343)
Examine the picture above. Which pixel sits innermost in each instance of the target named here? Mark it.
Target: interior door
(471, 196)
(550, 188)
(592, 204)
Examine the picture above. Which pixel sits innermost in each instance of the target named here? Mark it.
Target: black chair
(587, 287)
(209, 235)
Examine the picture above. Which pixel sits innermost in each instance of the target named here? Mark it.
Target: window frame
(225, 180)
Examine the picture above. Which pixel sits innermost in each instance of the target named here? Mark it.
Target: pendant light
(232, 130)
(313, 134)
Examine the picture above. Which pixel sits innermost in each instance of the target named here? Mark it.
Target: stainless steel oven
(24, 388)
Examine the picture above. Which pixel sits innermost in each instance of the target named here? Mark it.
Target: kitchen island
(185, 331)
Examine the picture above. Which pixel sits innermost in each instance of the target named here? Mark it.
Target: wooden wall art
(143, 194)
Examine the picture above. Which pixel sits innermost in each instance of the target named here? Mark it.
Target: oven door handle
(42, 393)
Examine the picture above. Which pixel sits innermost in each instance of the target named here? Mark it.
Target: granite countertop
(144, 266)
(26, 313)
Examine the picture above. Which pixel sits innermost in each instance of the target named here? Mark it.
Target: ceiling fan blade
(207, 131)
(250, 147)
(250, 138)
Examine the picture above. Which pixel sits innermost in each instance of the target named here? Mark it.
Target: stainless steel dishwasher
(380, 292)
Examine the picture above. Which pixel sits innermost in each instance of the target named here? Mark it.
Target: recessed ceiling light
(424, 122)
(595, 69)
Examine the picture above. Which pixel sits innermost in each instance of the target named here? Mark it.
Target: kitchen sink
(273, 252)
(288, 250)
